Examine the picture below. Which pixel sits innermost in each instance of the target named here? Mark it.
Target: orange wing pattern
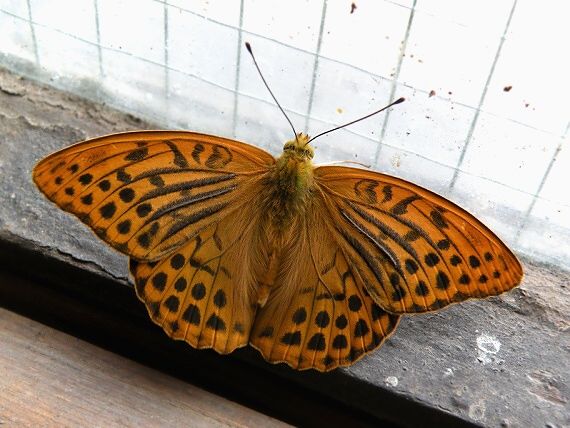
(166, 199)
(319, 288)
(413, 250)
(331, 320)
(147, 193)
(202, 292)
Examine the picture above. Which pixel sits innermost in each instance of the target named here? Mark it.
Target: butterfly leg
(268, 280)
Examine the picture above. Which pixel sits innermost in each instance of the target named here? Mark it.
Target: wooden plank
(48, 378)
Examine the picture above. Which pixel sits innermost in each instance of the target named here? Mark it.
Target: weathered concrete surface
(499, 362)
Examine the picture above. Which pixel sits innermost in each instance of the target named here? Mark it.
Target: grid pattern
(502, 154)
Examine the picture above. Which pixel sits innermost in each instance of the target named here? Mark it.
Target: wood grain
(48, 378)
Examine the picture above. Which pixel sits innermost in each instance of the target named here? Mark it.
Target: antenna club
(399, 100)
(248, 47)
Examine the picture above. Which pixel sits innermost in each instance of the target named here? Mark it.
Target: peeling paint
(391, 381)
(489, 347)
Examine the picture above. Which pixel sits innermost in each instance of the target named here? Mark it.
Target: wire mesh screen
(485, 123)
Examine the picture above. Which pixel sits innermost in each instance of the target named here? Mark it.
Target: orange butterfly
(231, 246)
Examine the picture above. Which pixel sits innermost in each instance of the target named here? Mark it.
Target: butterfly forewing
(147, 193)
(331, 320)
(414, 250)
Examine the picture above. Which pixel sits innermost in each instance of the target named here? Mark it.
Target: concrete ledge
(499, 362)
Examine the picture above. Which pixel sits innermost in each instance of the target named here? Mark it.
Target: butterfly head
(299, 148)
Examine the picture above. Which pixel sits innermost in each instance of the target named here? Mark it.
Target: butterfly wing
(202, 293)
(165, 199)
(147, 193)
(330, 320)
(413, 250)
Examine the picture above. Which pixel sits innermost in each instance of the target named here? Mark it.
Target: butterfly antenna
(398, 101)
(248, 46)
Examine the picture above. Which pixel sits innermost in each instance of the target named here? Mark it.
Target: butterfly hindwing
(331, 320)
(146, 193)
(202, 293)
(414, 250)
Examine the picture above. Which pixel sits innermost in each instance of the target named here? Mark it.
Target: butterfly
(311, 265)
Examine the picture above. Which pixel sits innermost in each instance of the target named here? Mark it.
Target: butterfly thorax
(290, 181)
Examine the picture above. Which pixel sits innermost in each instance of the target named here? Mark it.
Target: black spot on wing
(159, 281)
(340, 342)
(179, 159)
(198, 291)
(172, 303)
(219, 158)
(361, 328)
(216, 323)
(299, 316)
(124, 227)
(108, 210)
(220, 299)
(341, 322)
(137, 155)
(156, 180)
(443, 244)
(442, 280)
(438, 220)
(127, 194)
(266, 332)
(192, 315)
(123, 176)
(412, 235)
(365, 190)
(180, 284)
(87, 199)
(198, 149)
(317, 342)
(56, 167)
(322, 319)
(354, 303)
(387, 191)
(85, 179)
(143, 209)
(402, 206)
(104, 185)
(291, 338)
(177, 261)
